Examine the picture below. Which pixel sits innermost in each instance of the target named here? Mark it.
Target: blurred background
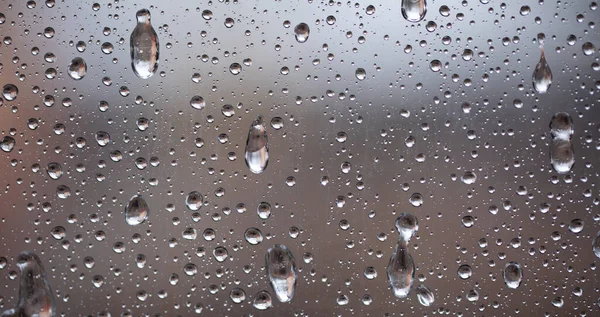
(369, 117)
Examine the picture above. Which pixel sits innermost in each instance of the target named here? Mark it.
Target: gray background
(511, 144)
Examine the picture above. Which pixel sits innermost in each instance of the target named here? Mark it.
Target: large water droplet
(414, 10)
(144, 46)
(302, 31)
(10, 92)
(35, 294)
(513, 275)
(257, 150)
(281, 271)
(7, 143)
(77, 68)
(596, 245)
(401, 267)
(136, 211)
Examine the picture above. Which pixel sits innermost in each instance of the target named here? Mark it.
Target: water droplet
(189, 234)
(257, 150)
(197, 102)
(229, 22)
(264, 210)
(220, 254)
(58, 232)
(360, 74)
(525, 10)
(588, 48)
(596, 245)
(370, 273)
(102, 138)
(144, 46)
(235, 68)
(281, 271)
(54, 170)
(262, 300)
(561, 126)
(465, 271)
(194, 201)
(435, 65)
(77, 68)
(330, 20)
(370, 10)
(416, 199)
(414, 10)
(7, 143)
(253, 236)
(136, 211)
(576, 225)
(237, 295)
(542, 75)
(401, 267)
(302, 31)
(469, 178)
(513, 275)
(63, 192)
(35, 294)
(424, 295)
(558, 302)
(10, 92)
(207, 15)
(277, 123)
(562, 155)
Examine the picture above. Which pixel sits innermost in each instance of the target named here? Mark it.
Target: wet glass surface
(273, 158)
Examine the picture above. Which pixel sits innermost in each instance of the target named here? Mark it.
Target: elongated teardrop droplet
(414, 10)
(542, 75)
(281, 271)
(513, 275)
(144, 46)
(596, 245)
(136, 211)
(257, 149)
(35, 294)
(401, 267)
